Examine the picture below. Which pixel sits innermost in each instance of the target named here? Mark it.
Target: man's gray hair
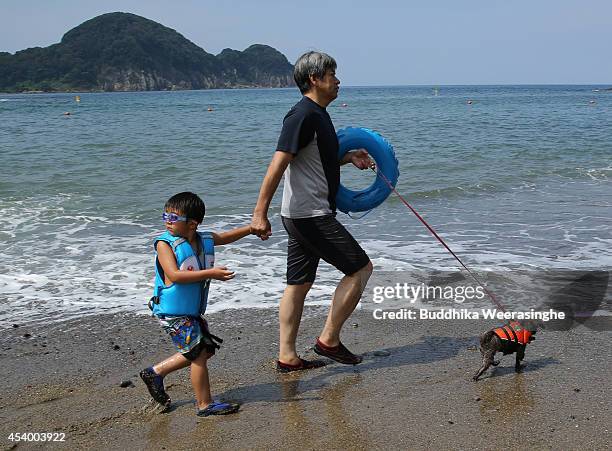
(311, 63)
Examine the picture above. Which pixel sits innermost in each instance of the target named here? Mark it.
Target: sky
(383, 42)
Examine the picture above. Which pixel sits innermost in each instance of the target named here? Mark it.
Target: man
(307, 153)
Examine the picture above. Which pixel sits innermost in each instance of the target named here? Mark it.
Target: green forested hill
(126, 52)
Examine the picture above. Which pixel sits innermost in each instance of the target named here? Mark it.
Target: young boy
(184, 266)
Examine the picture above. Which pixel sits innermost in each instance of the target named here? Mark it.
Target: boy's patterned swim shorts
(189, 335)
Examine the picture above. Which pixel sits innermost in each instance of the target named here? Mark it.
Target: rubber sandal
(155, 385)
(303, 365)
(338, 353)
(218, 408)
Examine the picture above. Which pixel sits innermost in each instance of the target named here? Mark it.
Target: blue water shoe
(218, 408)
(155, 385)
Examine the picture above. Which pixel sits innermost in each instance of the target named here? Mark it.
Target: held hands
(221, 273)
(361, 159)
(260, 226)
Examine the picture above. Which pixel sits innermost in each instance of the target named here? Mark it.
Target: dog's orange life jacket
(514, 332)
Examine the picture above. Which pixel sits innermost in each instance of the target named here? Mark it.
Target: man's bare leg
(289, 316)
(346, 297)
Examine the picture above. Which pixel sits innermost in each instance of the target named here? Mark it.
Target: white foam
(87, 263)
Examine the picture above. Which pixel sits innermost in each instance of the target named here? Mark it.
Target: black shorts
(311, 239)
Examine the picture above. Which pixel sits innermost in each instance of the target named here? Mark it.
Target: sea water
(521, 178)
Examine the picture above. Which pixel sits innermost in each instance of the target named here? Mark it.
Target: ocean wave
(93, 273)
(452, 192)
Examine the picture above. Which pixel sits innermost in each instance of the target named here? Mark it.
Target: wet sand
(413, 390)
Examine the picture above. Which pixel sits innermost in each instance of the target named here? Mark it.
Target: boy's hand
(221, 273)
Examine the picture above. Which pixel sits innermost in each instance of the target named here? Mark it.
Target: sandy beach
(413, 390)
(489, 201)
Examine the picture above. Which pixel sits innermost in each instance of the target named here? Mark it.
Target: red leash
(382, 176)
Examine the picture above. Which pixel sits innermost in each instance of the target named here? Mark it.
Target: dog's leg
(520, 355)
(487, 361)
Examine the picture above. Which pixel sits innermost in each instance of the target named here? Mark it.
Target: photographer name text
(452, 313)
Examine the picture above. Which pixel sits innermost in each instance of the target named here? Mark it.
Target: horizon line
(607, 86)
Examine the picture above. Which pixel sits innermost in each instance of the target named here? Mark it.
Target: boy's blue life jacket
(183, 299)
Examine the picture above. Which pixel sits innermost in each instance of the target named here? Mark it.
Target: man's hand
(361, 159)
(221, 273)
(260, 226)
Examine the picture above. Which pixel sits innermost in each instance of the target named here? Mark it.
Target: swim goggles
(173, 217)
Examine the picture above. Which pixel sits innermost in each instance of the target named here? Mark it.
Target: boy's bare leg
(173, 363)
(346, 297)
(154, 379)
(289, 316)
(200, 380)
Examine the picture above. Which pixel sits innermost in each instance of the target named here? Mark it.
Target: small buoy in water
(344, 105)
(469, 102)
(592, 102)
(67, 113)
(209, 109)
(77, 98)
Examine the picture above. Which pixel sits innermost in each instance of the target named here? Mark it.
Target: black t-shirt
(313, 176)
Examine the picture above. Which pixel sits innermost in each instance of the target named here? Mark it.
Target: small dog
(512, 337)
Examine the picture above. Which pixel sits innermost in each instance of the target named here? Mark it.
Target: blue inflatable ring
(381, 151)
